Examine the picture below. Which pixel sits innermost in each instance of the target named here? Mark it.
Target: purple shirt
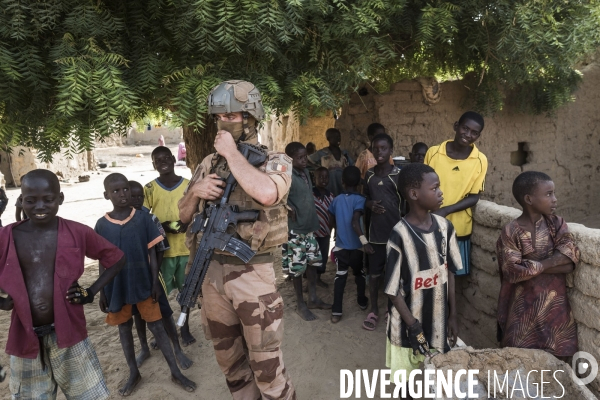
(74, 242)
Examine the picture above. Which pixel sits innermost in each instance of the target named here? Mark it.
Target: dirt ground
(314, 352)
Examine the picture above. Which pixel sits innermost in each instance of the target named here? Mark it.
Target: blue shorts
(464, 244)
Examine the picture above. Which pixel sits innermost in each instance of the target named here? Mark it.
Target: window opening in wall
(519, 157)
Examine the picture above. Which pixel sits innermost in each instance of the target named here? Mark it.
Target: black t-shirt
(385, 189)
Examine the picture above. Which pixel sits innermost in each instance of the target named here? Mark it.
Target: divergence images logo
(585, 365)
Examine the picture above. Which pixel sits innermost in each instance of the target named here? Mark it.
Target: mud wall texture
(23, 159)
(565, 146)
(143, 136)
(277, 132)
(477, 295)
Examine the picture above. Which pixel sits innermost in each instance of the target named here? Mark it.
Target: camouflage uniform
(242, 311)
(298, 252)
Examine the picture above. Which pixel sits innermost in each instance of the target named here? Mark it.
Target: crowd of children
(406, 228)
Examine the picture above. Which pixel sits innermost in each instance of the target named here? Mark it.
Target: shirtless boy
(137, 284)
(41, 260)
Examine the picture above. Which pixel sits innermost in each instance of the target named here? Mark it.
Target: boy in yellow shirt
(461, 168)
(161, 197)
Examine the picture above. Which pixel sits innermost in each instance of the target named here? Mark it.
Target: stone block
(484, 260)
(586, 278)
(586, 309)
(489, 285)
(588, 241)
(494, 215)
(415, 106)
(485, 237)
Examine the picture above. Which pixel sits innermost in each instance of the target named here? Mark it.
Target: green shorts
(402, 358)
(173, 272)
(300, 251)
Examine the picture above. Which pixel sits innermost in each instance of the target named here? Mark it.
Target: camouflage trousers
(242, 313)
(300, 251)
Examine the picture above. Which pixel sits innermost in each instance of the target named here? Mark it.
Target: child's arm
(331, 220)
(358, 230)
(154, 272)
(159, 256)
(470, 201)
(77, 295)
(452, 323)
(415, 330)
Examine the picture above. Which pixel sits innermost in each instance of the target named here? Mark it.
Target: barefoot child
(300, 253)
(422, 258)
(535, 252)
(161, 198)
(345, 212)
(137, 284)
(385, 202)
(461, 168)
(323, 198)
(41, 260)
(137, 200)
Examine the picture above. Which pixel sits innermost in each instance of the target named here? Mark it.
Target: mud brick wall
(565, 145)
(477, 295)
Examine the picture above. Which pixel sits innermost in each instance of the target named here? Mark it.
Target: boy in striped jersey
(422, 258)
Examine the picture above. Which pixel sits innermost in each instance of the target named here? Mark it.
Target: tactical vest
(269, 230)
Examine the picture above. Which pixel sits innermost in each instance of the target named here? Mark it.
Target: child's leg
(126, 337)
(324, 248)
(171, 330)
(314, 261)
(140, 327)
(356, 262)
(186, 336)
(342, 262)
(167, 269)
(297, 263)
(376, 268)
(150, 311)
(179, 273)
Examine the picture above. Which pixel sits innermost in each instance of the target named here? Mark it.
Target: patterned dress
(533, 308)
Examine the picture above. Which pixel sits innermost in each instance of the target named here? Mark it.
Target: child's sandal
(371, 319)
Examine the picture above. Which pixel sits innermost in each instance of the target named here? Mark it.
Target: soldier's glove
(79, 295)
(417, 339)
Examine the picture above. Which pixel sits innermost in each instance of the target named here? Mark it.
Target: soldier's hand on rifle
(225, 145)
(209, 188)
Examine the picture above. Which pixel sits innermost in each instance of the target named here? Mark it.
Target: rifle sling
(257, 259)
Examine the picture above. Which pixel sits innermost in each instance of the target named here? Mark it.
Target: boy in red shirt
(41, 260)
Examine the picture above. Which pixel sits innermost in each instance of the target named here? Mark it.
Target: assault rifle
(217, 228)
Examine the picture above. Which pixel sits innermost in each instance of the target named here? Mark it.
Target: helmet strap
(245, 116)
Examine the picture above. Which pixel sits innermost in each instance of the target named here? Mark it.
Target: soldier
(242, 311)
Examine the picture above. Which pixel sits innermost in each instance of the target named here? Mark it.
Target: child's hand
(155, 294)
(375, 206)
(167, 227)
(452, 330)
(442, 212)
(368, 248)
(417, 339)
(182, 227)
(78, 295)
(103, 303)
(7, 304)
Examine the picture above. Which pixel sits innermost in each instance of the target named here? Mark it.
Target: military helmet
(236, 96)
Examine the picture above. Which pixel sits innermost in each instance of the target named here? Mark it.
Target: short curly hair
(292, 148)
(411, 177)
(525, 184)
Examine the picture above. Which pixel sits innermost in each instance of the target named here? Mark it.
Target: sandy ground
(314, 352)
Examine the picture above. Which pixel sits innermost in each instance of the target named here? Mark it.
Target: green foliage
(75, 70)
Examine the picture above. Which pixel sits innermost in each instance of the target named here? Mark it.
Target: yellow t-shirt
(162, 202)
(458, 178)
